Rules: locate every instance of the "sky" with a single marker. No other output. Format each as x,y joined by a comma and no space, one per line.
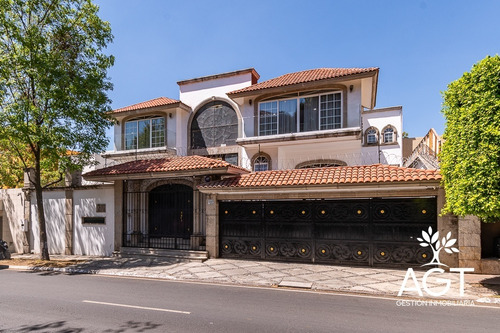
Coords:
419,46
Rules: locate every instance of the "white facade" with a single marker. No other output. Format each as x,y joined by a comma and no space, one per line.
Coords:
340,146
382,152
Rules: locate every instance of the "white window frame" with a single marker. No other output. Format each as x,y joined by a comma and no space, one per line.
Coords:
137,120
368,134
297,98
260,163
393,132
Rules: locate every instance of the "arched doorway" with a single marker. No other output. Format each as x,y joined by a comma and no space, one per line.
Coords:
171,216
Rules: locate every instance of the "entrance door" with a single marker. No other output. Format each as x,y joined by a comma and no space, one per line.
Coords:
171,213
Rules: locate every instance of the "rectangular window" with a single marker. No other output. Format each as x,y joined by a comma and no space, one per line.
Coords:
158,132
131,135
303,114
330,111
268,115
288,116
145,133
309,114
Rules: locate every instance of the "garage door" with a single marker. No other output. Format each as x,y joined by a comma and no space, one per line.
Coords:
366,232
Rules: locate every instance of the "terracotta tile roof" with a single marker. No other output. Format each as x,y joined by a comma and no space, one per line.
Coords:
376,173
303,77
170,164
160,101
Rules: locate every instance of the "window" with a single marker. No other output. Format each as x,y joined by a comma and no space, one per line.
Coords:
268,115
388,135
371,136
145,133
320,164
214,125
304,114
229,158
261,163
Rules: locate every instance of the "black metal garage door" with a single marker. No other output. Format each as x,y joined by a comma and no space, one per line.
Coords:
367,232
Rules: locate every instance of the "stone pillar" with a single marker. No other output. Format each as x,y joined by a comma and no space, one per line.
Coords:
118,188
212,213
445,224
68,221
29,173
469,242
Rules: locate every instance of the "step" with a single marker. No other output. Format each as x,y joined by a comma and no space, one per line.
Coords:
191,255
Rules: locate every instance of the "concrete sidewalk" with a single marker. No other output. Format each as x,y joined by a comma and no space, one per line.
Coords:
379,281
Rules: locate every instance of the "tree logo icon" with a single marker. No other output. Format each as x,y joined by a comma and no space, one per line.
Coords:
432,240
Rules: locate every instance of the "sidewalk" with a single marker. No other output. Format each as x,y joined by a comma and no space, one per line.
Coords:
366,280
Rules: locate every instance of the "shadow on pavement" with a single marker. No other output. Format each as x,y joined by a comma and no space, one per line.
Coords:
57,326
492,284
63,326
134,326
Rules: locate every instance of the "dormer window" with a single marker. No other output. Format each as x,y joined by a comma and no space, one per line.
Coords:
145,132
301,114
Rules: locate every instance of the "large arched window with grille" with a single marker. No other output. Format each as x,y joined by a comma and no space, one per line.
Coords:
214,125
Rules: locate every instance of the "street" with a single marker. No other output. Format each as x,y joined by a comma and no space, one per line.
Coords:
53,302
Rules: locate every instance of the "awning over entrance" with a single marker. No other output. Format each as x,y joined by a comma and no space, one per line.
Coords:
178,166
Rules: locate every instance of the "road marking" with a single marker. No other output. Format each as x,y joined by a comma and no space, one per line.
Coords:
136,307
313,291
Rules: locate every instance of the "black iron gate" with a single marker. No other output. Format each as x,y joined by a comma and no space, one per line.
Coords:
367,232
161,218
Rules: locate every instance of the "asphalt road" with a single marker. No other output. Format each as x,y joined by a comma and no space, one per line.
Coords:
53,302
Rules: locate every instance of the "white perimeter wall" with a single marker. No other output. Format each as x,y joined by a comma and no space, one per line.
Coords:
12,212
53,203
88,239
93,239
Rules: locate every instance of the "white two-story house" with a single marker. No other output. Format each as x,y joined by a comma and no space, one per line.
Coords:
311,140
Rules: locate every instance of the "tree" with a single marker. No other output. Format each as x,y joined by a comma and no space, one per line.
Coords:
53,88
470,158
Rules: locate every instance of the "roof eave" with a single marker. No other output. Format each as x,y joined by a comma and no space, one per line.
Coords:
387,186
176,105
374,88
305,85
166,174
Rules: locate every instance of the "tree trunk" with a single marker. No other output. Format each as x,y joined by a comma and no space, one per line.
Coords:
44,246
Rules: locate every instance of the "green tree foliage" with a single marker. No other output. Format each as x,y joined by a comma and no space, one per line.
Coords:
53,87
470,158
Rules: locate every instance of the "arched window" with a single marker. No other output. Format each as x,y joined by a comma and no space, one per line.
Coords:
320,164
371,136
214,125
145,132
389,134
261,162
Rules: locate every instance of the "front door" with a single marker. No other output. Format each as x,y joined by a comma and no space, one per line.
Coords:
171,211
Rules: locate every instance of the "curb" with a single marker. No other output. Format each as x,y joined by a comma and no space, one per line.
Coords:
68,270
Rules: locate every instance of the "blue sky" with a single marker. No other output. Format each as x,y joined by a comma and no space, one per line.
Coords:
419,46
